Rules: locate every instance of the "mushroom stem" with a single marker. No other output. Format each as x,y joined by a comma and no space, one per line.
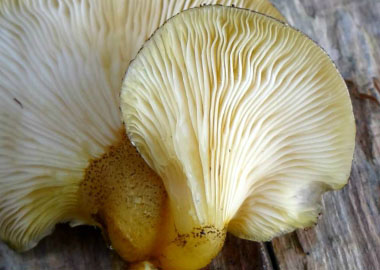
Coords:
143,266
123,196
189,250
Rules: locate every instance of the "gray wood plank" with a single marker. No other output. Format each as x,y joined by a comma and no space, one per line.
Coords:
348,234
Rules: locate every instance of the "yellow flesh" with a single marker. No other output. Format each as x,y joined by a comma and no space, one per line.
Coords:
126,198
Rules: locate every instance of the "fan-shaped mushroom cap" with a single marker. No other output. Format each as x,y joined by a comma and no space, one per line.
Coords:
246,120
61,67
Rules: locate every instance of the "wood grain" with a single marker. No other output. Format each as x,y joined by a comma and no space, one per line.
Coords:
348,233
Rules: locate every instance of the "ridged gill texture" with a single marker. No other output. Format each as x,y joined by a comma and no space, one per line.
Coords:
246,120
61,67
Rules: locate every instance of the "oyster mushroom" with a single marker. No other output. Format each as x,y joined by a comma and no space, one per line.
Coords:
247,122
63,152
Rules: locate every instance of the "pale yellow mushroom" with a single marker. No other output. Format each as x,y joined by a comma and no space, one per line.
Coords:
63,153
247,122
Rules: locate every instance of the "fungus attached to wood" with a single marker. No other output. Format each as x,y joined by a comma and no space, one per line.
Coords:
247,122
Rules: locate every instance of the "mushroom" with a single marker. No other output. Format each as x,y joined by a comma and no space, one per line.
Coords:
247,122
64,156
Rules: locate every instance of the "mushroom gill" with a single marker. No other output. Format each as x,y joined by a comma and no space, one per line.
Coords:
247,122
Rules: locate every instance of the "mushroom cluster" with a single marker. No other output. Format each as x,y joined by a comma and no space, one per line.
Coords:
233,122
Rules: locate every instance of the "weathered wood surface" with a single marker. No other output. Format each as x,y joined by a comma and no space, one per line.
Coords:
348,233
